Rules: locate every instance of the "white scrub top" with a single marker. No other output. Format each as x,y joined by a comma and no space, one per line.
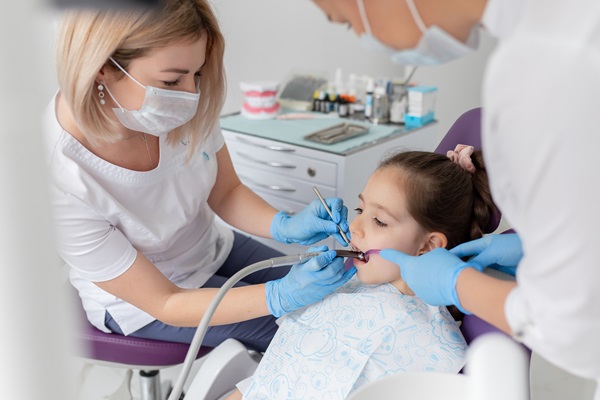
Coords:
105,214
541,138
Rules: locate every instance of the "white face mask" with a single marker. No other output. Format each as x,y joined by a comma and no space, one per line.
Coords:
161,112
436,46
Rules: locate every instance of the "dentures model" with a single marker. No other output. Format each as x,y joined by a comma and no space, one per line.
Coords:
260,101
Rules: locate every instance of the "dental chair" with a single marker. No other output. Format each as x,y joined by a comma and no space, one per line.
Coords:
222,367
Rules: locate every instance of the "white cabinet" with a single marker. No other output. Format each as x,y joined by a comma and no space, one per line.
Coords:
284,173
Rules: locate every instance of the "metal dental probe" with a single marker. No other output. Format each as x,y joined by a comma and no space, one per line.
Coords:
331,215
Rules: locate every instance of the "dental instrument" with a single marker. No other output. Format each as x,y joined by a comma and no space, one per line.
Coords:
367,254
357,254
203,325
331,215
351,254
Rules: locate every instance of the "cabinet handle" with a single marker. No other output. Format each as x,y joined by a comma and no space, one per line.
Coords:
276,188
269,163
268,147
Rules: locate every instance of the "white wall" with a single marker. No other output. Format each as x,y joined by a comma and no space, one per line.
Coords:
267,39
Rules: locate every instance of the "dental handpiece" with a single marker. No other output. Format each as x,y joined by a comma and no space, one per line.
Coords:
352,254
331,216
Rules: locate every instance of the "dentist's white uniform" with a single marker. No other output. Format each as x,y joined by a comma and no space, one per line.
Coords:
541,138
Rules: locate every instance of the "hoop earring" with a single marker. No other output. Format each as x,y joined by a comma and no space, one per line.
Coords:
101,93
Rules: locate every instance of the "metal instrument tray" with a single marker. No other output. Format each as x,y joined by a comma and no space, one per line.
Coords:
337,133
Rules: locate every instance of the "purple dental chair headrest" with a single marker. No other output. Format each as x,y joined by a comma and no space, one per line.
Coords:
467,130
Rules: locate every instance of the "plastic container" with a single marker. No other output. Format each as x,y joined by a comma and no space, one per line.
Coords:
369,98
381,108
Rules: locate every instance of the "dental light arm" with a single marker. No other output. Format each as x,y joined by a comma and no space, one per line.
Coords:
203,325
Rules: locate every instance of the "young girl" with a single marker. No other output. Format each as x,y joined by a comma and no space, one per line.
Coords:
374,326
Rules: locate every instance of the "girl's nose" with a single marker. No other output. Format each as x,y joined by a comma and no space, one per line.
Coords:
355,229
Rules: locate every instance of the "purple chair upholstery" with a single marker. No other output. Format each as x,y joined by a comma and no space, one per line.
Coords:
473,326
115,348
112,347
467,130
146,355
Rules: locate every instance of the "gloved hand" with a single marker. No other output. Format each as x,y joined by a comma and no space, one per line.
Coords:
502,252
312,224
431,276
307,282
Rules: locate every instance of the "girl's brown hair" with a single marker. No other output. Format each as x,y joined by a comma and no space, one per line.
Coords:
88,37
443,197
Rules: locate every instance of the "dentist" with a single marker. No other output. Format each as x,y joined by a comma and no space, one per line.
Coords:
540,143
140,171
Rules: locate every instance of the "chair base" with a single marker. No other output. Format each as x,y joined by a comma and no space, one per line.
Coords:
123,392
221,369
226,365
151,386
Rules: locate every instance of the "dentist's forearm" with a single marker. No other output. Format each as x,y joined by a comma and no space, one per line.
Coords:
246,210
187,307
484,296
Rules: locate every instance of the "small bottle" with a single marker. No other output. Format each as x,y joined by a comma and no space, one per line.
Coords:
369,98
316,102
334,102
398,109
381,109
351,101
324,102
343,106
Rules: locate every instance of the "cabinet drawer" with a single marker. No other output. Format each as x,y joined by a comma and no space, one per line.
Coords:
281,162
280,185
290,207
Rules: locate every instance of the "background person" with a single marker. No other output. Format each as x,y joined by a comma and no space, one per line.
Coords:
538,141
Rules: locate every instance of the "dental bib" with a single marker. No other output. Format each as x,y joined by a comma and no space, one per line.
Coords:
356,335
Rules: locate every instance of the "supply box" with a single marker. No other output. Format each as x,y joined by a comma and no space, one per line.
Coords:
421,105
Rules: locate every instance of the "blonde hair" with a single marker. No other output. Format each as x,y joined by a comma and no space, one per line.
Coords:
87,39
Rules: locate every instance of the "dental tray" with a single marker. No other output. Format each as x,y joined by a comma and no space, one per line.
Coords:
337,133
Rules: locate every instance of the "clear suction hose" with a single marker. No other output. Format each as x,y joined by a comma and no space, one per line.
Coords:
203,325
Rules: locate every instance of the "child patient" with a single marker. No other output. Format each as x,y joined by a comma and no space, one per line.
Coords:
374,326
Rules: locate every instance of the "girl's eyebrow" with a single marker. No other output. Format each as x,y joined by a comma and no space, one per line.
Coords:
380,207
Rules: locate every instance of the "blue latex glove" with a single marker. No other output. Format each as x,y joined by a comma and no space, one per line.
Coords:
312,224
502,252
431,276
307,282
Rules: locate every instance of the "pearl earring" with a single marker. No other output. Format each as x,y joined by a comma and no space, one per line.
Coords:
101,94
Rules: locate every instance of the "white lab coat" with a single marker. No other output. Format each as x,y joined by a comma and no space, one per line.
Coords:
541,140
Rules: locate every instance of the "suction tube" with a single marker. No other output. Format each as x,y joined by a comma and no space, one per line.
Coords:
203,325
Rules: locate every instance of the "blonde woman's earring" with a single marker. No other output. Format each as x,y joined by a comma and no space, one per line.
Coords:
101,93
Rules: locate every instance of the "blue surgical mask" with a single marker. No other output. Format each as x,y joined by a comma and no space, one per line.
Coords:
436,46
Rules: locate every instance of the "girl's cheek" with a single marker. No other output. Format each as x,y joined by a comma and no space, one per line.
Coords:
386,267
